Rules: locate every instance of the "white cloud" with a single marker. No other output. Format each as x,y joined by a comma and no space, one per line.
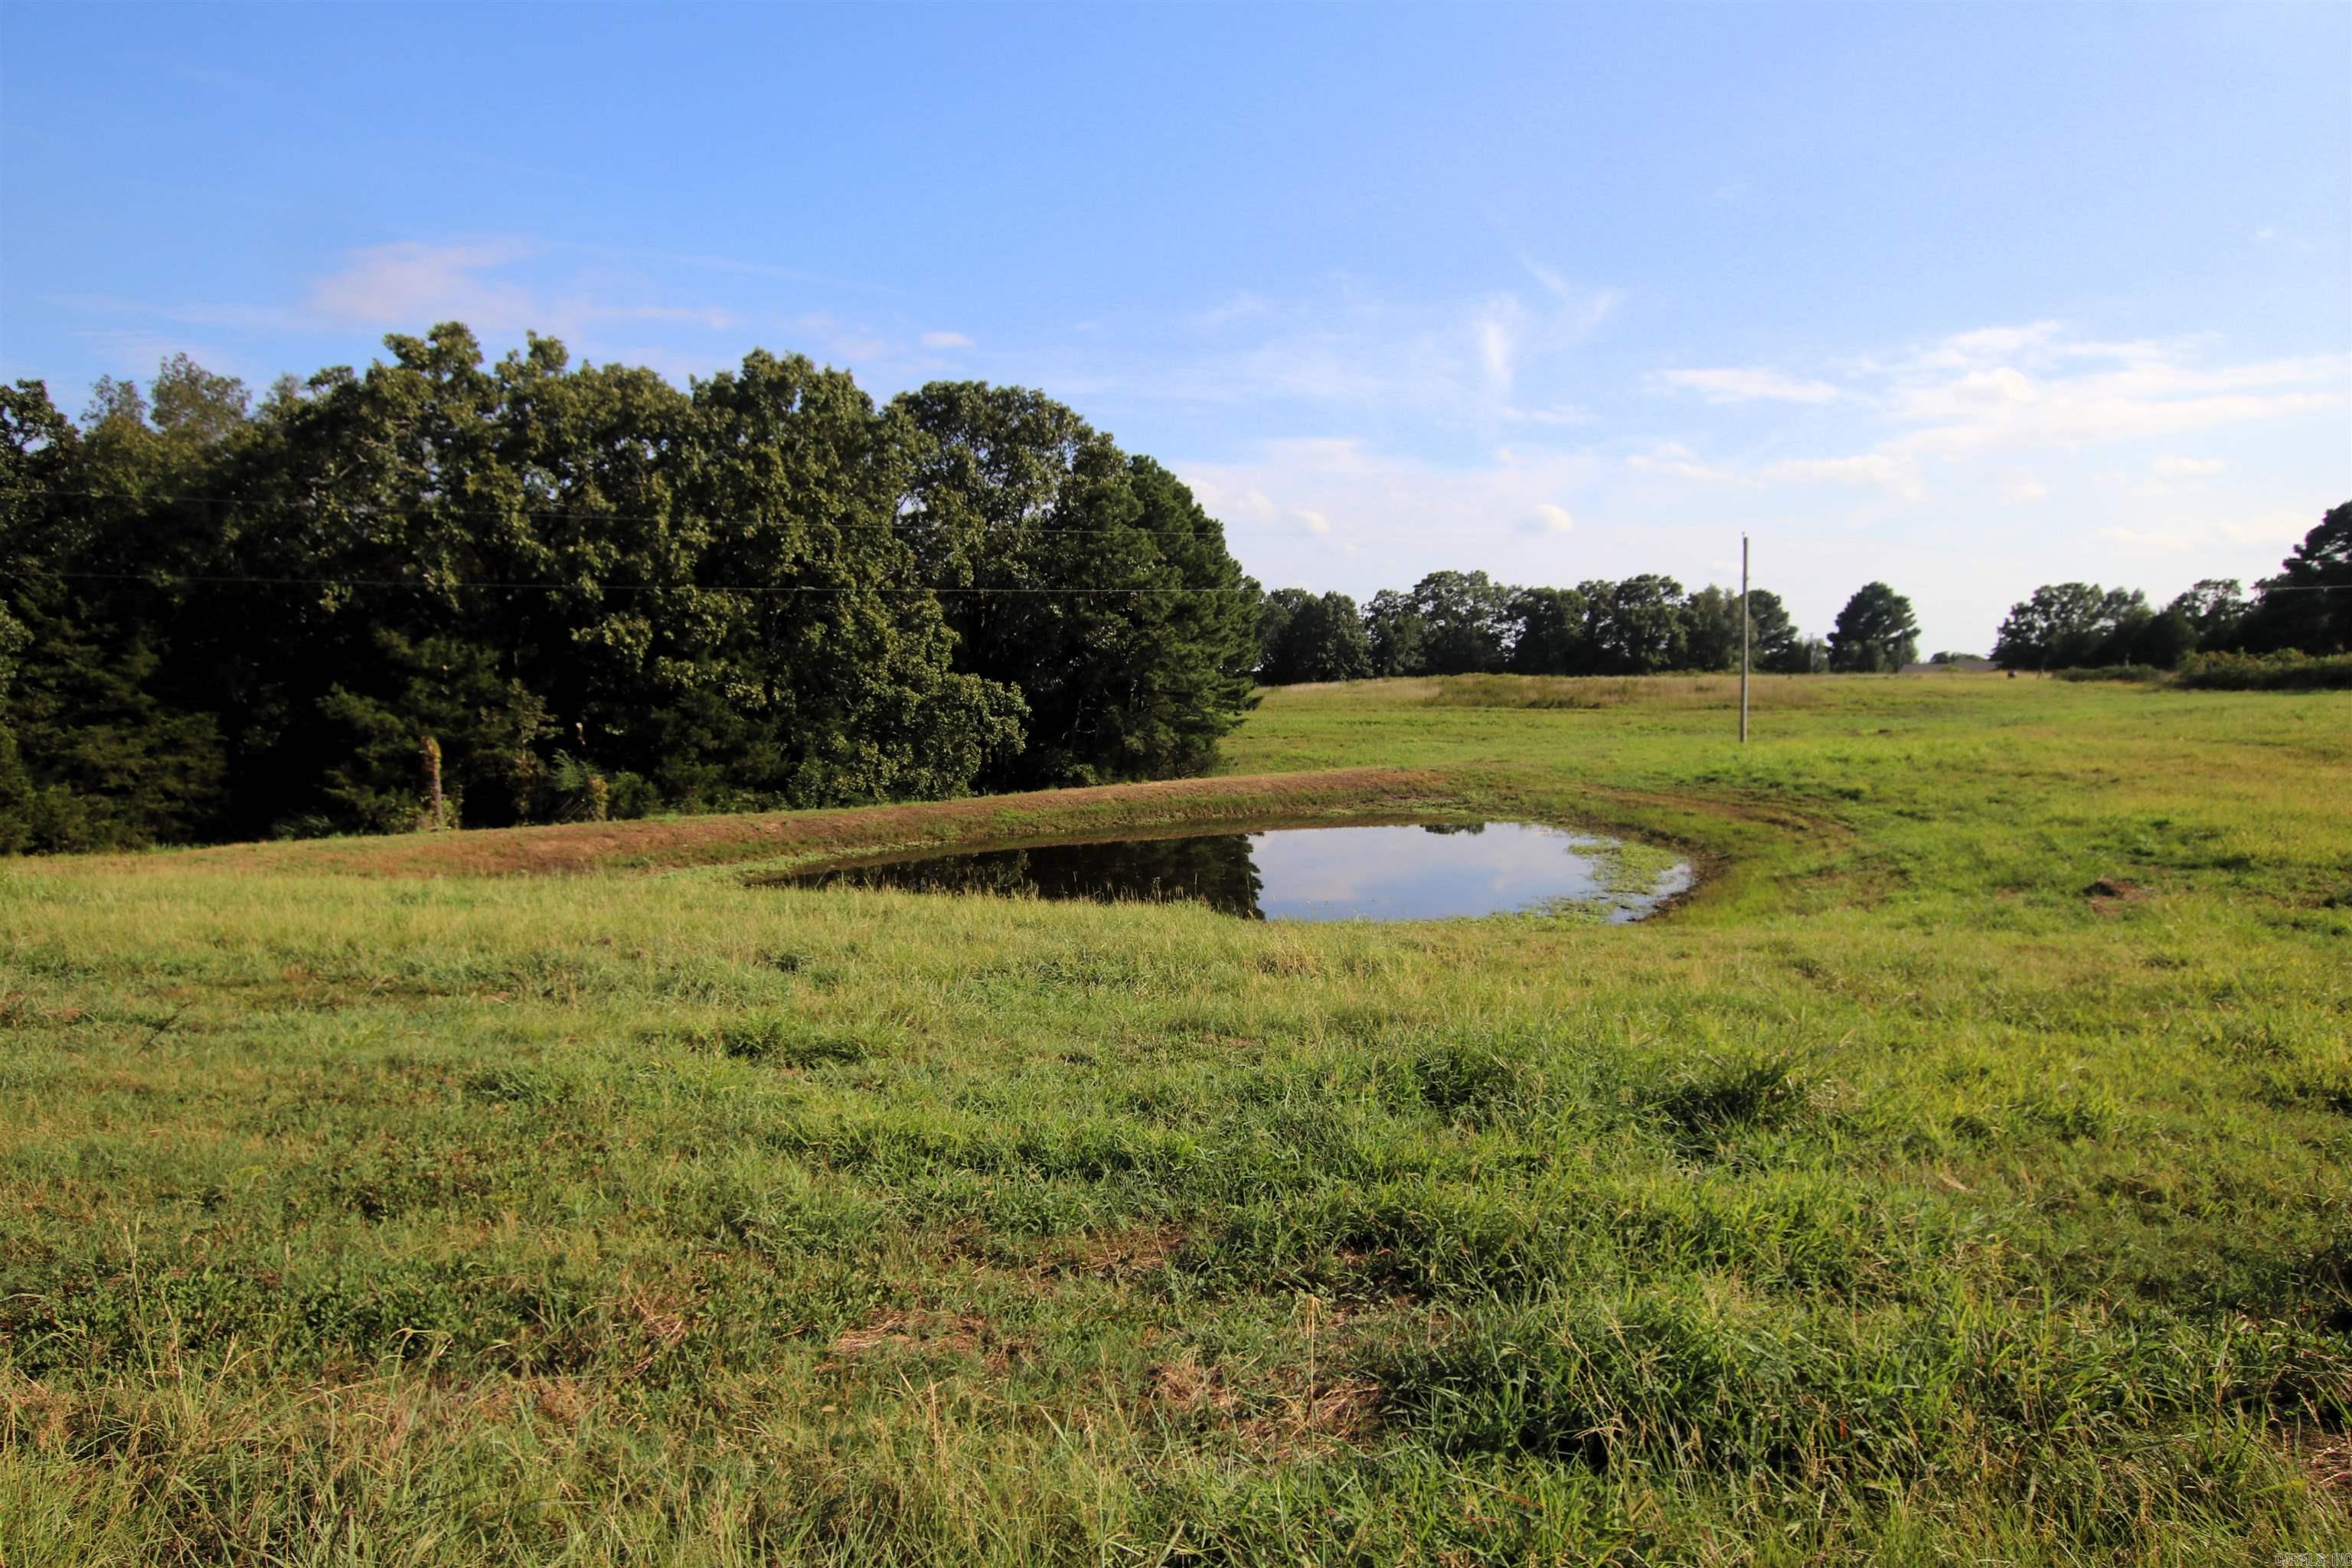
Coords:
1961,348
1451,362
1495,333
2172,467
946,341
2004,407
2026,492
1346,489
1557,415
411,284
1676,460
2168,540
1865,469
1749,386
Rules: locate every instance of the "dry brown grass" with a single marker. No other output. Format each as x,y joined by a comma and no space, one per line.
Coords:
660,844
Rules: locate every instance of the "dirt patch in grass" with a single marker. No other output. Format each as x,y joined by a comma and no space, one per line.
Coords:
2327,1461
1289,1415
900,1329
2113,895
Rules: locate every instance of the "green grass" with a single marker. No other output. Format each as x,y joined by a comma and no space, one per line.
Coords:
1896,1199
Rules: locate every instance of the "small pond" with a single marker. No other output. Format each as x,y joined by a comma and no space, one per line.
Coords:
1413,871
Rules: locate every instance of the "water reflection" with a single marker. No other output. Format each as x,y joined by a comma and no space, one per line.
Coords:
1415,871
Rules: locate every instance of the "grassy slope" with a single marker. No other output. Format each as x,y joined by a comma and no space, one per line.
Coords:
1893,1200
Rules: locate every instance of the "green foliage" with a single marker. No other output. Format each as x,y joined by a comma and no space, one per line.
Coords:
1710,631
221,620
1090,581
1776,646
1464,622
1875,633
1398,636
1306,637
2082,626
2308,605
2287,671
2306,609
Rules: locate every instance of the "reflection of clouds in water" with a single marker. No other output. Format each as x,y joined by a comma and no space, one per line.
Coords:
1340,872
1411,873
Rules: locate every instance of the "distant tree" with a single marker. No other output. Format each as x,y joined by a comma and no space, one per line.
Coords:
1774,646
1633,626
2214,608
1874,631
1306,637
1710,631
1396,635
1467,619
2075,625
2159,637
2308,605
1546,632
1273,613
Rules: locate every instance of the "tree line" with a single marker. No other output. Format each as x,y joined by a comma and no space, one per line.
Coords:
441,590
1462,623
2306,608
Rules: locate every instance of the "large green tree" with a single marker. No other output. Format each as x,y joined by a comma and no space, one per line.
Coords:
1633,626
1309,637
1091,582
1776,646
2308,605
104,739
1547,632
1874,631
1464,617
1396,634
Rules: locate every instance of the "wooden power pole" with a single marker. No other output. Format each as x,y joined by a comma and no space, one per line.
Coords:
1743,639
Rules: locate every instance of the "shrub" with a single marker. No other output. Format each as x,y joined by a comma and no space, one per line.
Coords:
2287,671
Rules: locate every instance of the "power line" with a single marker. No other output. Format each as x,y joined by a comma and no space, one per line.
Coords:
189,581
584,512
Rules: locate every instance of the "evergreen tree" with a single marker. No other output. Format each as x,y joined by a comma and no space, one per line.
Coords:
1875,633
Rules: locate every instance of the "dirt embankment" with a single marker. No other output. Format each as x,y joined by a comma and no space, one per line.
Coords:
669,842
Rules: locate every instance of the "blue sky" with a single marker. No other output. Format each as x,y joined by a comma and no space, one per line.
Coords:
1966,298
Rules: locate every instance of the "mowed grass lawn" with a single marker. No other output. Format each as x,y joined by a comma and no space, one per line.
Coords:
1898,1198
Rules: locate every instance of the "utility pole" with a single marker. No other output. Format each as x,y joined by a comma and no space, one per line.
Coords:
1743,639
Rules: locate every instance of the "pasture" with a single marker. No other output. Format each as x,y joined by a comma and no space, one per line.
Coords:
1960,1174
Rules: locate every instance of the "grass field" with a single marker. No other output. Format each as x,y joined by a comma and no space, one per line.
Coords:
1960,1176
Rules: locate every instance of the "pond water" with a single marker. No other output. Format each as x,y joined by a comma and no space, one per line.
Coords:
1392,872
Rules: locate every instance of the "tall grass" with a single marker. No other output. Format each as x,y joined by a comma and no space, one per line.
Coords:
1961,1175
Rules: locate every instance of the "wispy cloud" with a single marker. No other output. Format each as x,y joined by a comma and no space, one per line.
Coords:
2026,388
1749,386
946,341
1467,361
